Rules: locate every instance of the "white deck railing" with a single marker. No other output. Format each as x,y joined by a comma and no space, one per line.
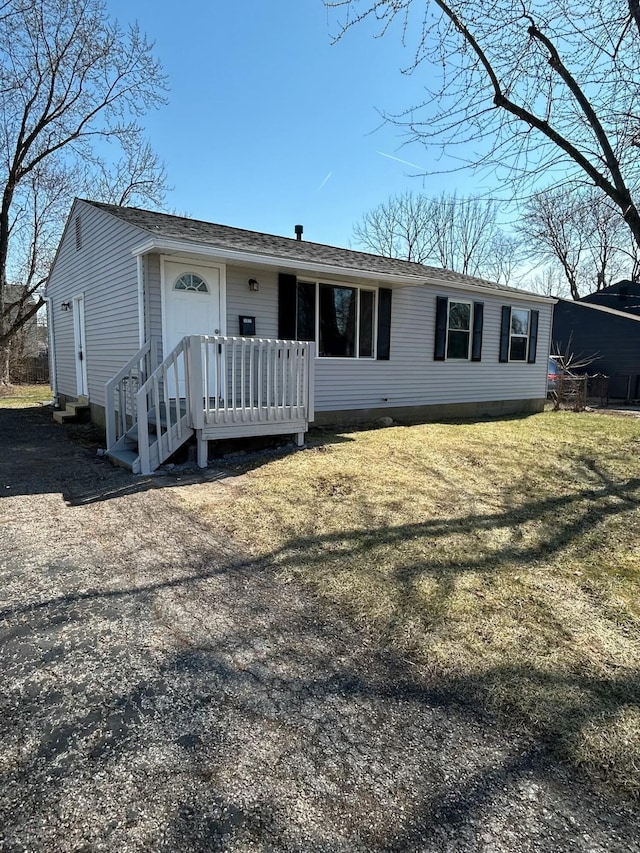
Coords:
250,380
120,394
222,386
161,401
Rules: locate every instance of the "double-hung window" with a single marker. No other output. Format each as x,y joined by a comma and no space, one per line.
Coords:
518,334
345,321
458,330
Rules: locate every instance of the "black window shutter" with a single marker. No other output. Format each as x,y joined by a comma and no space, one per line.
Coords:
533,336
476,344
383,349
441,328
306,311
505,328
287,307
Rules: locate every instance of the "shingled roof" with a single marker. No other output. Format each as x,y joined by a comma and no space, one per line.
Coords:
287,249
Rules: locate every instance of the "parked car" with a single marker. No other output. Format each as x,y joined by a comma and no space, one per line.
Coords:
555,370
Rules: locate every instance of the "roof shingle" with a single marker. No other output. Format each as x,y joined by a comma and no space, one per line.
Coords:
287,249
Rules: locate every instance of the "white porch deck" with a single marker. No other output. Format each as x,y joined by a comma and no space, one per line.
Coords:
216,387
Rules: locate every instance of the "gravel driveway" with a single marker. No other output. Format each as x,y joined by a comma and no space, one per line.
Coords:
162,692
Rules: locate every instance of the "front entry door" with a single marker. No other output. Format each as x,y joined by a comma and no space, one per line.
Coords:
192,305
78,340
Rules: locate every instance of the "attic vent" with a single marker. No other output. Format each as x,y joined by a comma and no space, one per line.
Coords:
78,227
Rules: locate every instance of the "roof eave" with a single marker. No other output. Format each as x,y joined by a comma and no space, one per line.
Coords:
160,244
164,244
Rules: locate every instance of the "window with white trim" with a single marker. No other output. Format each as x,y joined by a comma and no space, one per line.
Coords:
458,332
340,318
345,321
190,281
519,335
458,329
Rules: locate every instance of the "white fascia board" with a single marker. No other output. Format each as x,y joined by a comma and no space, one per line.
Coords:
156,244
247,258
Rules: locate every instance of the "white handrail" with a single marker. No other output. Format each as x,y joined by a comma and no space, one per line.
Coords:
161,397
210,381
134,370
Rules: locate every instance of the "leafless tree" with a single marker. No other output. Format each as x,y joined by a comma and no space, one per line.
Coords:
578,231
138,174
504,259
548,281
446,231
71,80
398,228
464,233
536,86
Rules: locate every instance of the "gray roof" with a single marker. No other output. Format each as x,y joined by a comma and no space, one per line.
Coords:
287,249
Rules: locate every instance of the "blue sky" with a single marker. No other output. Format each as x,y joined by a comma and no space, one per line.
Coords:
269,124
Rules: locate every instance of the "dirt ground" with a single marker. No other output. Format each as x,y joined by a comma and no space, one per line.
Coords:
163,692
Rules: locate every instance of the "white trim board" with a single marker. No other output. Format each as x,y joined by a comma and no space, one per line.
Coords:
217,255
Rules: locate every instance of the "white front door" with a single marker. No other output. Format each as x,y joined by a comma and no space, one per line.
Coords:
191,304
79,344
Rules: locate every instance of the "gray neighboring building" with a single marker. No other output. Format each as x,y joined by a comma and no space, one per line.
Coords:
623,296
381,336
610,338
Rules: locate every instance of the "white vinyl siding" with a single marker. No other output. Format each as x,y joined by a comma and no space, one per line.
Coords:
412,378
106,272
261,304
153,297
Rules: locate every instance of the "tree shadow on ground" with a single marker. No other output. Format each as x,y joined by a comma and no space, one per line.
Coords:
214,704
40,457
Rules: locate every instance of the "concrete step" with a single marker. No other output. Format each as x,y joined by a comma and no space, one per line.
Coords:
77,408
73,411
124,458
63,416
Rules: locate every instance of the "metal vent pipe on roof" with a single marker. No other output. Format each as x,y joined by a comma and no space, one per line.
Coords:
299,229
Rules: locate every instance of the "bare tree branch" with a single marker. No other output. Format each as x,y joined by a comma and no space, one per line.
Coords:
70,80
536,86
576,229
447,231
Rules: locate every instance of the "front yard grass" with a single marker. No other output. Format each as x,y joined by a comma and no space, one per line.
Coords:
23,396
499,558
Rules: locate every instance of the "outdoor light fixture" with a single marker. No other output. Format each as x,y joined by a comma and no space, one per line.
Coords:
66,306
253,284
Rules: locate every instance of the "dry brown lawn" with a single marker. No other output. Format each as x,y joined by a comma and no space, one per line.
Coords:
23,396
501,558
